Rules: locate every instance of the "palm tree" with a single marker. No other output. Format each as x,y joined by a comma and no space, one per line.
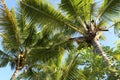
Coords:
78,64
24,42
60,68
15,38
89,18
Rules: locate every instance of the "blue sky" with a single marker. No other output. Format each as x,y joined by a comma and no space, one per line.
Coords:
6,73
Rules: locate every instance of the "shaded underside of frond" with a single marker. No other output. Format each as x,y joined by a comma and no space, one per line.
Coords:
50,47
5,59
46,53
31,38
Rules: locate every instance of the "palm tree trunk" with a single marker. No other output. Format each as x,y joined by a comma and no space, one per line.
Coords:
15,74
99,50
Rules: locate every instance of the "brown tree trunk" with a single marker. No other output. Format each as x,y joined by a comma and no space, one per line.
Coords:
15,74
99,50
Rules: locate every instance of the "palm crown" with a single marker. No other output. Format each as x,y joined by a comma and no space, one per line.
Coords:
76,16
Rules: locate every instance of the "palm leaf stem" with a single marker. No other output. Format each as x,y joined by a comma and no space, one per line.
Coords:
81,22
74,28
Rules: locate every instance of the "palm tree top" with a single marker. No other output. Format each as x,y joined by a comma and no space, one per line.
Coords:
76,13
87,17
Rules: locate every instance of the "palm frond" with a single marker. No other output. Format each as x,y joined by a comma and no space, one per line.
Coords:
78,9
89,9
109,8
60,39
46,15
73,9
51,47
28,28
117,28
52,70
72,72
9,26
43,12
31,38
53,40
45,53
12,64
5,59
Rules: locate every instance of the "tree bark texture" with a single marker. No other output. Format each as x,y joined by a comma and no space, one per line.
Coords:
15,74
99,50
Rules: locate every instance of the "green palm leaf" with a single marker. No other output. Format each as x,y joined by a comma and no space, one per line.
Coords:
72,71
46,15
117,28
43,12
31,38
52,50
6,58
77,8
10,31
109,8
